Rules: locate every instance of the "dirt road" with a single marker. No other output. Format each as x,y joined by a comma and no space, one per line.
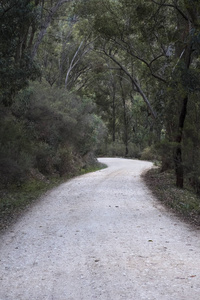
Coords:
100,236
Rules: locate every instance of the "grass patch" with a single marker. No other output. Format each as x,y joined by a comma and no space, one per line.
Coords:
93,168
17,199
184,202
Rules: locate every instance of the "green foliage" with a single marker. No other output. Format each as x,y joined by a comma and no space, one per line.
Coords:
165,151
65,161
115,149
100,51
17,17
149,153
118,149
15,149
48,129
191,143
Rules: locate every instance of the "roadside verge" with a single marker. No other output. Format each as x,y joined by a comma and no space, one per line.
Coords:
183,202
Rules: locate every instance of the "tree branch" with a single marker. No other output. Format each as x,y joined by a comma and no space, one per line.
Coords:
7,9
134,82
173,6
46,24
72,64
129,51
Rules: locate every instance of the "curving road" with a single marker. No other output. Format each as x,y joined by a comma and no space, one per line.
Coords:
100,236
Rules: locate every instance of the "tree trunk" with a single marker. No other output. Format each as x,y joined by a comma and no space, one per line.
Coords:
178,163
113,93
125,137
45,25
113,119
184,54
178,166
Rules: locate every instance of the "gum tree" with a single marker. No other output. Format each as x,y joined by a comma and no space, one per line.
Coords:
155,44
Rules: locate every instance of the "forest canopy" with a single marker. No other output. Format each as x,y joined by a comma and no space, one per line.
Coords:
117,78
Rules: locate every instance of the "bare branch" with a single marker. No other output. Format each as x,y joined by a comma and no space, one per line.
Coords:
178,60
5,10
149,66
134,82
72,64
129,51
173,6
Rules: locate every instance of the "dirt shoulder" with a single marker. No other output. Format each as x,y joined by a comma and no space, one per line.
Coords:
184,203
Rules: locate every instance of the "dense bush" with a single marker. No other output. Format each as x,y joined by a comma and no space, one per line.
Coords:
149,153
47,129
119,149
15,149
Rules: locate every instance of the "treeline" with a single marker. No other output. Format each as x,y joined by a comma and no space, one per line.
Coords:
120,78
152,51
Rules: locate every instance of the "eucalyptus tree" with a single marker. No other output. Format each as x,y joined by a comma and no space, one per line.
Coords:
23,25
156,45
183,79
46,128
48,11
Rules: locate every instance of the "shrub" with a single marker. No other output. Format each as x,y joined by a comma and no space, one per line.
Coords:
116,149
44,158
133,151
64,161
10,172
149,153
15,150
48,129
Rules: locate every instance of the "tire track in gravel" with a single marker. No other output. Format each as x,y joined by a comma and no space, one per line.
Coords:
100,236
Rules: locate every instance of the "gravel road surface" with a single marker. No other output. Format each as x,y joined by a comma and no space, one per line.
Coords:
100,236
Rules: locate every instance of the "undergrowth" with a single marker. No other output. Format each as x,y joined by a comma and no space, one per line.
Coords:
94,168
184,202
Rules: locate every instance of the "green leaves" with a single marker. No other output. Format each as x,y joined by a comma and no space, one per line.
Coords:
16,20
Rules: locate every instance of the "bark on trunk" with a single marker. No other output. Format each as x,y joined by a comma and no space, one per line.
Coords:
179,166
125,138
113,119
179,171
184,55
